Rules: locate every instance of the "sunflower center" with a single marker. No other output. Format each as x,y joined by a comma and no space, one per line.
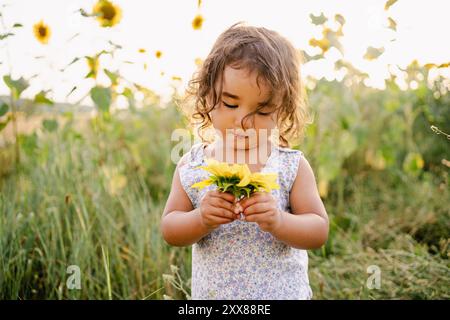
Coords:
42,31
197,22
108,11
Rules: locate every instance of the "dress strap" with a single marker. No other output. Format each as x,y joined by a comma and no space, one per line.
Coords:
196,155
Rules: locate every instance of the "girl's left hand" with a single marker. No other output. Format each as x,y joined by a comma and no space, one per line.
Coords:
261,208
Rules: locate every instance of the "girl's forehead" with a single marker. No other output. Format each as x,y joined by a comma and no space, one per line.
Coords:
245,83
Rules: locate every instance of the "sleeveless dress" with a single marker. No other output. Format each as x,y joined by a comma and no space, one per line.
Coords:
238,260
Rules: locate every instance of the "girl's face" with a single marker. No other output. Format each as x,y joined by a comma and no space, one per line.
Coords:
241,96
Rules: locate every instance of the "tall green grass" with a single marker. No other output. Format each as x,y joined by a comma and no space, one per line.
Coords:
91,200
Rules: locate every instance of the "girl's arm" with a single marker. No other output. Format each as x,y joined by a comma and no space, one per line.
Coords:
307,227
181,224
302,231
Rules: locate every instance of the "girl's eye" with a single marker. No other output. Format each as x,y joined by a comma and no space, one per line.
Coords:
229,106
234,107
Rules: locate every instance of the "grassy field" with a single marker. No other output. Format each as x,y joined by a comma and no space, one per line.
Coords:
93,198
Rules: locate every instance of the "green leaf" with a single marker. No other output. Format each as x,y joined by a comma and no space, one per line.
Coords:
333,39
314,57
318,20
90,74
247,192
225,186
128,93
392,24
389,3
3,109
73,61
50,124
17,25
101,97
6,35
339,19
28,142
85,14
41,98
116,46
16,86
3,124
71,91
112,76
413,163
373,53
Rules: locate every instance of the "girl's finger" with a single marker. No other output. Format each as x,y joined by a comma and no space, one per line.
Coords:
256,208
257,217
224,213
254,218
219,202
255,198
224,195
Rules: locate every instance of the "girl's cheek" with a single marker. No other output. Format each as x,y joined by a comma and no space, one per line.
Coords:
265,122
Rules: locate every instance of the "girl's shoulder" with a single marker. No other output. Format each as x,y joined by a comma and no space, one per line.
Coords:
288,162
190,173
288,150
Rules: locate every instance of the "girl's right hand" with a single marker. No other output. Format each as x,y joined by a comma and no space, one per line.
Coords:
217,208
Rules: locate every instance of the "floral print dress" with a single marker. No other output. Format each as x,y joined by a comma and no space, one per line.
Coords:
238,260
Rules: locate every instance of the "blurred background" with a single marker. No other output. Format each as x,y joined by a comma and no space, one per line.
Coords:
90,94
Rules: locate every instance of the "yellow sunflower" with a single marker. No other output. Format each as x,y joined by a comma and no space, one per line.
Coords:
107,13
42,32
236,179
158,54
197,22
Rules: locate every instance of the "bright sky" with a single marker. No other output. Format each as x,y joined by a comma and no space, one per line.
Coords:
166,26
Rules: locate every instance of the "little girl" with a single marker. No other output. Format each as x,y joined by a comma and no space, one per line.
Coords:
249,83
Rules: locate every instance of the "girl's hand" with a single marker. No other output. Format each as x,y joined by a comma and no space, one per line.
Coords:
262,208
217,208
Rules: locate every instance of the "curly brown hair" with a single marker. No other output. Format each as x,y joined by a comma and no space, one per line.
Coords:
274,59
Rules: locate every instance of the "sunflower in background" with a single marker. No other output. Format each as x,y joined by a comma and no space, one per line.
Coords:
107,13
42,32
197,22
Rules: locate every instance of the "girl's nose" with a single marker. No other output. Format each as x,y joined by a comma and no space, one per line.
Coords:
240,121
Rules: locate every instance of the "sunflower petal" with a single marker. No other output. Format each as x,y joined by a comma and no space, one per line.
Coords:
202,184
245,175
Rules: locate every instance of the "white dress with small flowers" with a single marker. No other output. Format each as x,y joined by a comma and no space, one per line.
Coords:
238,260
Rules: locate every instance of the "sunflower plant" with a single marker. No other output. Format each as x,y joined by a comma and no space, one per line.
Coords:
236,179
